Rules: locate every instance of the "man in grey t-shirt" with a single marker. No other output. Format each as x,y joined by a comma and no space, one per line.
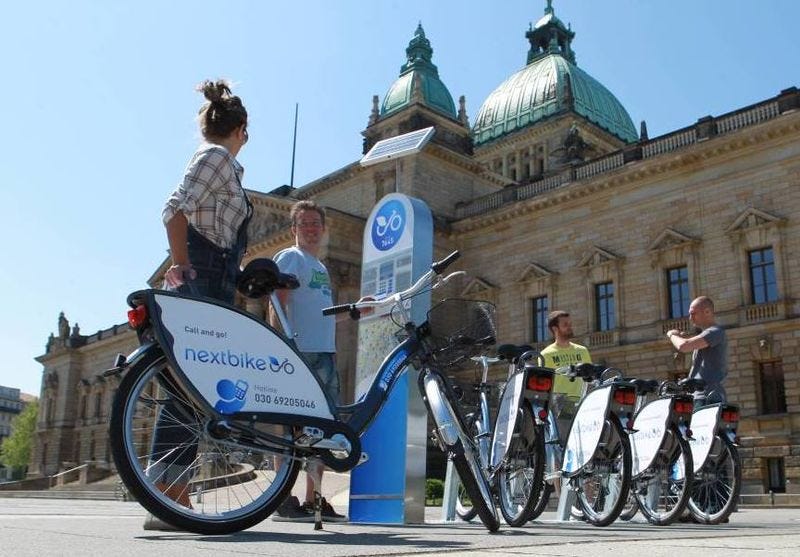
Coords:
709,350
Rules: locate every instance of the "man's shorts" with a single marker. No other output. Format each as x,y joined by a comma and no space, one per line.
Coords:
322,364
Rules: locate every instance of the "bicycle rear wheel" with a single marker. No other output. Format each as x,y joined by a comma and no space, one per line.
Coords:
219,487
455,439
520,474
604,483
663,490
718,483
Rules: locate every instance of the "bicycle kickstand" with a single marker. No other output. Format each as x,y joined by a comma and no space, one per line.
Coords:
315,473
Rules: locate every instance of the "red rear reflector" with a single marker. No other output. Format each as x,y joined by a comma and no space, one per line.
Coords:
137,316
540,383
625,396
730,416
684,407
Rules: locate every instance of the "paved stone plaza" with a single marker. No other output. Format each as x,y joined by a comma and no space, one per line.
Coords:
75,527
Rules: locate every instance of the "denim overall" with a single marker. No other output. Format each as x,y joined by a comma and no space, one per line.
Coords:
174,447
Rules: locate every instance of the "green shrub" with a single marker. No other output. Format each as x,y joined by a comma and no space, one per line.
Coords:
434,491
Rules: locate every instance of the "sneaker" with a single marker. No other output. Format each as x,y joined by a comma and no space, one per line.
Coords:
291,511
327,511
154,523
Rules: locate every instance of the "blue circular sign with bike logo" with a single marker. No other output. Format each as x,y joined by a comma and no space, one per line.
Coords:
387,228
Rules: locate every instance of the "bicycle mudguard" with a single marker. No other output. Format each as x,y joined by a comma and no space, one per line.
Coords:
650,427
586,429
507,414
704,427
234,361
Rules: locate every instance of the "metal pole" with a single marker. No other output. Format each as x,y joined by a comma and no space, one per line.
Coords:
294,143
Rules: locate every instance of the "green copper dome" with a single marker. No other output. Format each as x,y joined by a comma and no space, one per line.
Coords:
550,84
418,81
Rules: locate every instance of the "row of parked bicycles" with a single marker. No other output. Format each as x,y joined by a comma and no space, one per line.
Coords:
239,431
632,445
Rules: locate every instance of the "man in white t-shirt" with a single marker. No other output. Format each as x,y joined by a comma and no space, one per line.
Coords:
315,334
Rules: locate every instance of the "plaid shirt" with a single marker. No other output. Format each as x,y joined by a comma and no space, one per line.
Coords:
210,195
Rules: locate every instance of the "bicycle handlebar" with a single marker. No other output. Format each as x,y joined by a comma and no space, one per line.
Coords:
440,266
423,282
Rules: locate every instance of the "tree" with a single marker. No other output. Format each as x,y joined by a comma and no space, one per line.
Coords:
15,452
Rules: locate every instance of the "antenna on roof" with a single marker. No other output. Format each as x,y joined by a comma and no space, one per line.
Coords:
294,144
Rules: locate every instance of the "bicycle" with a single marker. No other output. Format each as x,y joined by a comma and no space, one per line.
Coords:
517,458
597,454
513,452
249,428
717,465
663,473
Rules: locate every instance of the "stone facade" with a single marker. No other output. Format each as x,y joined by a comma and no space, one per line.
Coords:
535,216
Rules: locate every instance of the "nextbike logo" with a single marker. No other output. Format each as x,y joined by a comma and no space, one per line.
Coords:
387,228
242,360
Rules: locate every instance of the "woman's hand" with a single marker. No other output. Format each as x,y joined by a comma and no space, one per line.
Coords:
179,274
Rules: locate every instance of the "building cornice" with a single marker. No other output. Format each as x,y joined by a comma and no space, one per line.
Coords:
716,147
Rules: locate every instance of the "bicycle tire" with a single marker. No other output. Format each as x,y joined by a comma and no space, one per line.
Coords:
717,484
542,500
229,488
465,462
521,474
463,451
465,510
664,489
608,474
631,506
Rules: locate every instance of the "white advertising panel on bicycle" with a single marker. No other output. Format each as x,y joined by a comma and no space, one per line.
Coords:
704,425
236,363
650,424
584,435
506,418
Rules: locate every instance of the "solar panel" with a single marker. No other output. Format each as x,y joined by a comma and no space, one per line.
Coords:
399,146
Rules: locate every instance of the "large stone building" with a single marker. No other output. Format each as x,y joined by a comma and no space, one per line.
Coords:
555,201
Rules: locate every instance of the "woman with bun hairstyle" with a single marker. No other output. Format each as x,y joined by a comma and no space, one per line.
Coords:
206,216
206,219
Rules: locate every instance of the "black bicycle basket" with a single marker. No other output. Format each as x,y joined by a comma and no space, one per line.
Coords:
460,329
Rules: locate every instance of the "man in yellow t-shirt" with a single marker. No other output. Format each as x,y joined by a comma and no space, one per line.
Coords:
563,353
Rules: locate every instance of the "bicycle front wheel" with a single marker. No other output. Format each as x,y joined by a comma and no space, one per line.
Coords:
520,474
604,483
466,457
465,510
718,483
179,471
663,490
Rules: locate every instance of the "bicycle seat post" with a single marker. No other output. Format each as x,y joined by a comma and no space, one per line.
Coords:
284,321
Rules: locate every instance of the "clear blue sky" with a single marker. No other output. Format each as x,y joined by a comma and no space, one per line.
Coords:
98,110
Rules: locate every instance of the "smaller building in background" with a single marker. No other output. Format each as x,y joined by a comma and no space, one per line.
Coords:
12,402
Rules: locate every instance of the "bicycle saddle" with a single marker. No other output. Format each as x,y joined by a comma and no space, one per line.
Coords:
691,385
511,352
644,386
261,277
